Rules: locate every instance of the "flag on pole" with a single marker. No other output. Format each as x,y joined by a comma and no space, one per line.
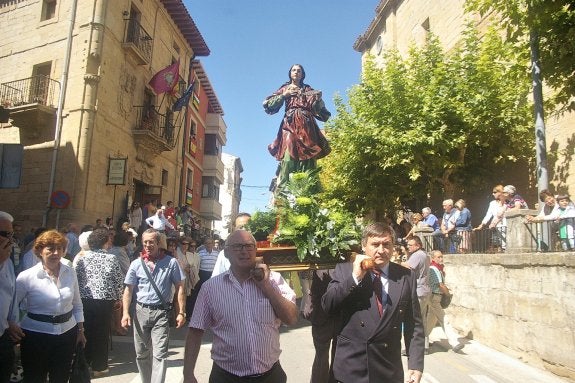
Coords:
185,99
165,80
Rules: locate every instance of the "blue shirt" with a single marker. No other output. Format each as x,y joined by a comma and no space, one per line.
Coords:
73,244
431,221
463,222
167,272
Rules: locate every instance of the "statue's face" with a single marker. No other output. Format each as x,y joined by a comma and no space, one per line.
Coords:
296,73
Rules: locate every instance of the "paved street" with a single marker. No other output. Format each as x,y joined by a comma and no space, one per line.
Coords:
475,364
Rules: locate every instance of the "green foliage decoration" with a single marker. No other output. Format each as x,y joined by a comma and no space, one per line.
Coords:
262,224
320,230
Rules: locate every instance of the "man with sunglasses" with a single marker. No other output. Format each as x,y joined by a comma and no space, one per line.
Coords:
244,308
7,288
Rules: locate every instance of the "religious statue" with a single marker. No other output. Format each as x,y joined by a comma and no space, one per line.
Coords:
299,142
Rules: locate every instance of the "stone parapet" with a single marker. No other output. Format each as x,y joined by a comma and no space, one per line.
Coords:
520,303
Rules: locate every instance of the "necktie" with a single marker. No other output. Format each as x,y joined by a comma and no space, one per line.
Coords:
378,289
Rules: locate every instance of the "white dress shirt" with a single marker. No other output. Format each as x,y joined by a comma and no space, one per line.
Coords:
7,285
38,293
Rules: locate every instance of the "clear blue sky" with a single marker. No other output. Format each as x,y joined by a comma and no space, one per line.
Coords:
253,43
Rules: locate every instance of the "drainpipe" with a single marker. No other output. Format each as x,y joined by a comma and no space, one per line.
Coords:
58,130
87,109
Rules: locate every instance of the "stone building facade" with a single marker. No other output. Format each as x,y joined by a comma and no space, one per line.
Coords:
399,23
114,128
230,194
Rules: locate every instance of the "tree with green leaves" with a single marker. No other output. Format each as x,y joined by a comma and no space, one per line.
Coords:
428,124
553,21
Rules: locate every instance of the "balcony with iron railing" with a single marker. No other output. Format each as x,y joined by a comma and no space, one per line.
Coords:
519,235
32,101
138,42
154,130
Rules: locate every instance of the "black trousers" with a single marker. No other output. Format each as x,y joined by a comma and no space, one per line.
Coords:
46,354
324,342
275,375
191,303
6,357
97,318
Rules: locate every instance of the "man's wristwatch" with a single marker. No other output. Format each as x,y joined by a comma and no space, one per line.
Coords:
183,314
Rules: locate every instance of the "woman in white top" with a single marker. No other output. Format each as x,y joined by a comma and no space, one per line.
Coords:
135,215
189,261
159,222
495,218
54,322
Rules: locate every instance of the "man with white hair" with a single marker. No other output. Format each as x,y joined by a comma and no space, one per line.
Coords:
7,290
429,219
447,228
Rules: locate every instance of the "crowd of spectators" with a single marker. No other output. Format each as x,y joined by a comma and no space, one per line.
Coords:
452,231
89,268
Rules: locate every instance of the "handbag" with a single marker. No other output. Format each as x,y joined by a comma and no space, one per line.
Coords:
80,372
445,300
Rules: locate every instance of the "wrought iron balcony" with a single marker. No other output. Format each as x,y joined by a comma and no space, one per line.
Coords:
154,130
34,90
138,42
31,101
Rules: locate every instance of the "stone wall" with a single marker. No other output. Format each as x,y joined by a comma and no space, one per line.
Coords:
520,303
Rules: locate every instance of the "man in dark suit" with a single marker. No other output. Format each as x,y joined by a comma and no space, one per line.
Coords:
375,298
324,328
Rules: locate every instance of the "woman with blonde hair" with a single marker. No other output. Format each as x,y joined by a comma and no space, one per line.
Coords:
189,261
54,321
495,218
463,226
417,225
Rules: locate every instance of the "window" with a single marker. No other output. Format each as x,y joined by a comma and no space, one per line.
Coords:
192,146
40,84
164,177
212,147
149,101
48,10
209,188
190,179
169,126
378,45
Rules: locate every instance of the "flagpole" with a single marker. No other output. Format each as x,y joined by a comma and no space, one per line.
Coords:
182,122
161,102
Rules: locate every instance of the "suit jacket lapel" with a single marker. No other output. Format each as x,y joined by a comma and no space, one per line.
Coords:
394,288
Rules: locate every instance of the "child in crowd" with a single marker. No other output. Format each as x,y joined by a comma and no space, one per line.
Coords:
565,215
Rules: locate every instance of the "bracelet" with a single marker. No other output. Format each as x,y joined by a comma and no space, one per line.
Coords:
183,314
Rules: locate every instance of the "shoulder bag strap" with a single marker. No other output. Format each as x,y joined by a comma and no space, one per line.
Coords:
153,283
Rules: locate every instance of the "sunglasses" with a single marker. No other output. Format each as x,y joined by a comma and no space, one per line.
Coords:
6,234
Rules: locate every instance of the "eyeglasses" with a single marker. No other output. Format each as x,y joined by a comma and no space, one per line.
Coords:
242,246
6,234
